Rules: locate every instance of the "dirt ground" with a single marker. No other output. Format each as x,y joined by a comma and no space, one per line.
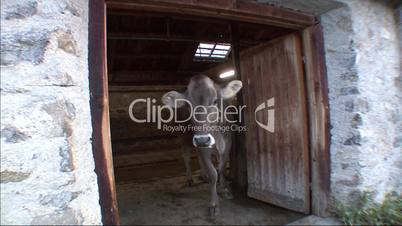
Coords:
170,201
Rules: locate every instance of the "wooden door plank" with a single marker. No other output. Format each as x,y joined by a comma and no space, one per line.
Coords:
98,85
277,163
317,93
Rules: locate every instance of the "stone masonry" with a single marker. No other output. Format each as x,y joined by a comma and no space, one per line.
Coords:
47,167
363,62
363,57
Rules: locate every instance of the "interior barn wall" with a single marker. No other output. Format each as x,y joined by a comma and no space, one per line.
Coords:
135,144
364,79
47,167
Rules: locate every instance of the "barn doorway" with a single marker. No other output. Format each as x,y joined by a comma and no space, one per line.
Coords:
260,41
150,54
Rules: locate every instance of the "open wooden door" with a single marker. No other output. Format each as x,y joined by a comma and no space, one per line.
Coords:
277,135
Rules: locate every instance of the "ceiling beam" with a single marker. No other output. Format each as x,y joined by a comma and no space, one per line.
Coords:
147,56
150,77
164,37
171,37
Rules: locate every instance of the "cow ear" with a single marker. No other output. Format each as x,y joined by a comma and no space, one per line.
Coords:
174,99
231,89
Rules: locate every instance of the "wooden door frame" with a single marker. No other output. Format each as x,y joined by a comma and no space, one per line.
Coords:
99,101
237,10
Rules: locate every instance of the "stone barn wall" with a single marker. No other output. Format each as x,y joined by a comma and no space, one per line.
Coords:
362,47
47,167
363,62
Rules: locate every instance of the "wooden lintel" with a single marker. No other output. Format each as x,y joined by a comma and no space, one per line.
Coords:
226,9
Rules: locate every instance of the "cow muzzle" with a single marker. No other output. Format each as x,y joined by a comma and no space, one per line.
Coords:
203,141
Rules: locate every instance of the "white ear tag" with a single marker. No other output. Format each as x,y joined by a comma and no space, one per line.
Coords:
228,92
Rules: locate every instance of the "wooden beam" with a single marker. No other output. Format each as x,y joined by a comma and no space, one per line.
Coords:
241,11
165,37
151,77
318,107
147,56
240,152
141,89
134,13
176,38
101,147
140,75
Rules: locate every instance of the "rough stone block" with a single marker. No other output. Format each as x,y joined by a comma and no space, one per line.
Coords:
62,112
398,142
65,217
349,106
13,134
11,176
59,200
357,121
355,139
66,163
349,91
23,46
67,43
18,9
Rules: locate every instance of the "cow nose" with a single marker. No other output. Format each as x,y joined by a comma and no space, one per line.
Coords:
203,141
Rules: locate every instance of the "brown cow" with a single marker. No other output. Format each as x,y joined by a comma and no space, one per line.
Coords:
206,100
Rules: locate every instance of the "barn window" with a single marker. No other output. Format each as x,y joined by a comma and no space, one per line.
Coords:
212,51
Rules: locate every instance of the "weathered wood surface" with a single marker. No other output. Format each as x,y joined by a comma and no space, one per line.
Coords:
226,9
317,93
98,82
277,163
239,155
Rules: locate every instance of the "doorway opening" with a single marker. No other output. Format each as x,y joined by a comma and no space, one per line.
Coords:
148,55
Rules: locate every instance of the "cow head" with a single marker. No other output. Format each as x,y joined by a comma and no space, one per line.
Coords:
204,96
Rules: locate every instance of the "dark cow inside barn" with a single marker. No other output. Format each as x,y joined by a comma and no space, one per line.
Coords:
206,99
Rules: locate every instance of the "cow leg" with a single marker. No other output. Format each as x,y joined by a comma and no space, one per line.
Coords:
187,163
223,190
203,171
213,178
